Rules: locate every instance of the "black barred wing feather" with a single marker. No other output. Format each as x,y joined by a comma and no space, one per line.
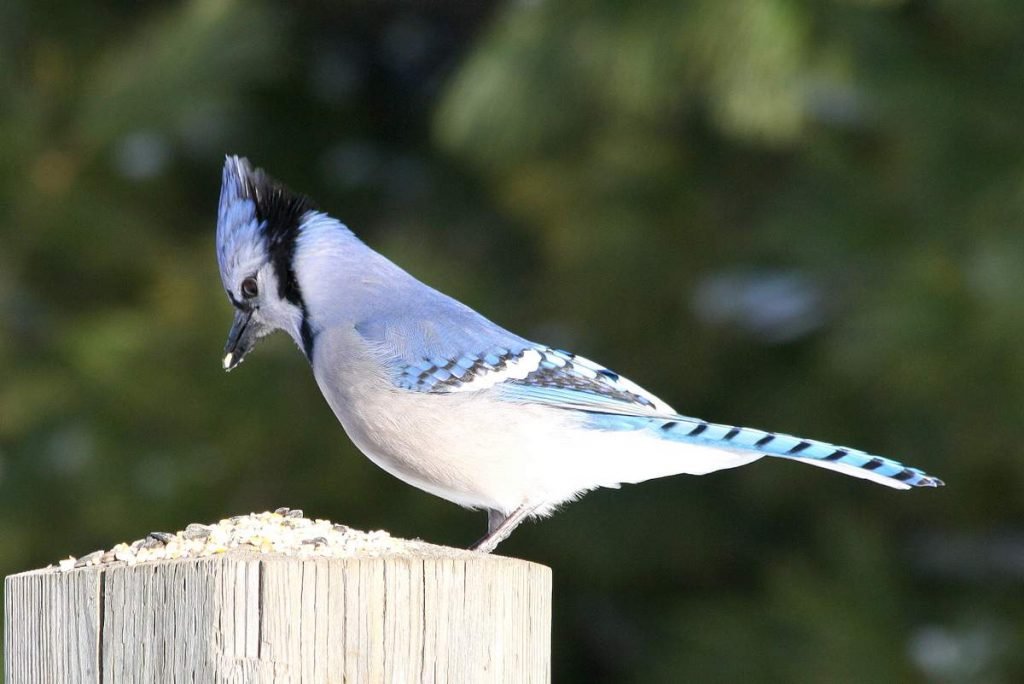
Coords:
537,375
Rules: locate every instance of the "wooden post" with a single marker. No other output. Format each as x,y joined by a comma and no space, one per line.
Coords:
438,615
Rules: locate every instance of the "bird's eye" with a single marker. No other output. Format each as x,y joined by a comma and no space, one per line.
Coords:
249,288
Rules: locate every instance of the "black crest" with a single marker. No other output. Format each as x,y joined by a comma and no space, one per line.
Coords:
280,211
277,207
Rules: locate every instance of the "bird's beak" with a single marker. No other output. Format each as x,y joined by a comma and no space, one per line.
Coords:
241,339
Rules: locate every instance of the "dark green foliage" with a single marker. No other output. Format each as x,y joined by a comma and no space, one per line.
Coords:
799,216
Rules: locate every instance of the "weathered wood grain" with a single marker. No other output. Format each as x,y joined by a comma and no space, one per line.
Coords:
436,616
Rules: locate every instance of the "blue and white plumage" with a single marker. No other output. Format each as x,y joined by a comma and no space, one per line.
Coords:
446,400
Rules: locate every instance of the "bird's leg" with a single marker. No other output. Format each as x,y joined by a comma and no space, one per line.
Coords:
500,526
494,520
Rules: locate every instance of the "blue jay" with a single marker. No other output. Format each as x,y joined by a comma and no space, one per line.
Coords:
446,400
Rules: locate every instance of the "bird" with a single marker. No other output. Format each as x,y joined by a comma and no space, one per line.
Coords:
444,399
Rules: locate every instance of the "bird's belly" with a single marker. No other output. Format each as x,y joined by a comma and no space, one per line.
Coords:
474,451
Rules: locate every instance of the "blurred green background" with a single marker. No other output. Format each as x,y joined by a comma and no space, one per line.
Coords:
800,216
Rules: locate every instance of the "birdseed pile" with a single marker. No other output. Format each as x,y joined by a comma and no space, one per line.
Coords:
284,531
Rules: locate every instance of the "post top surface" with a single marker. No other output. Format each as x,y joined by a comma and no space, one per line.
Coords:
284,534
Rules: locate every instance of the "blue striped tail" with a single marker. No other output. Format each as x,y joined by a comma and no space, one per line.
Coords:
842,459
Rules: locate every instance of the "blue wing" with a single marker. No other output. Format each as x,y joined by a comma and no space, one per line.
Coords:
435,344
533,375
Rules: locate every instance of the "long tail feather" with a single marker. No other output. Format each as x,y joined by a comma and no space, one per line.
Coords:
852,462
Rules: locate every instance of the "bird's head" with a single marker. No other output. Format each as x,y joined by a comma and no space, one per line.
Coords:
258,224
